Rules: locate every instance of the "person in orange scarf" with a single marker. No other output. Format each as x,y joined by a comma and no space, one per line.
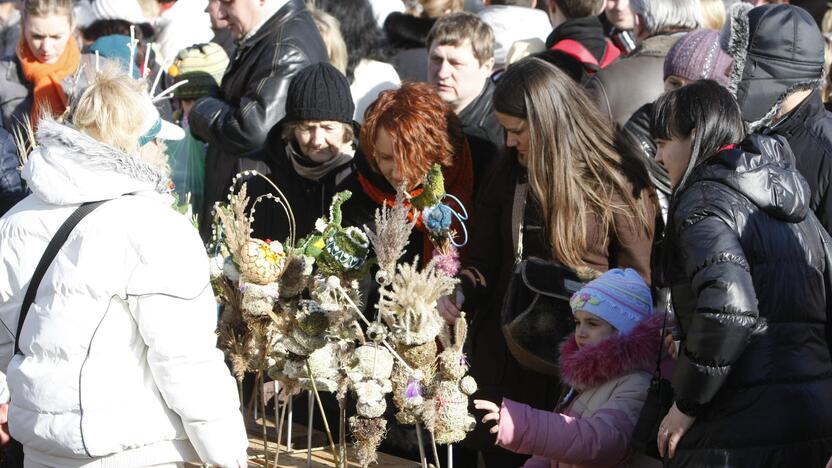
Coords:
32,82
406,131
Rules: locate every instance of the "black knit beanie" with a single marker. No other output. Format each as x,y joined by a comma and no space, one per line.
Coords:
319,92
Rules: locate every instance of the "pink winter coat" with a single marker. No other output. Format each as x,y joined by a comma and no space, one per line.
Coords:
611,378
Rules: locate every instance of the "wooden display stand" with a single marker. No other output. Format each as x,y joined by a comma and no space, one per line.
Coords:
321,454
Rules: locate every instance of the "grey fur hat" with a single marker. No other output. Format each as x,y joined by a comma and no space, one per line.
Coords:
777,49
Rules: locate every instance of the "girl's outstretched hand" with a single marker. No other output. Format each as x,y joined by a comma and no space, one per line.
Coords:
493,413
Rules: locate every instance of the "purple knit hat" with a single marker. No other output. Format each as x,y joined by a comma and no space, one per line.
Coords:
698,56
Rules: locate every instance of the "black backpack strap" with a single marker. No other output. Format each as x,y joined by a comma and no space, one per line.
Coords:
49,254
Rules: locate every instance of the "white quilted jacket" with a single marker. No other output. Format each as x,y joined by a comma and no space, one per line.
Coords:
119,355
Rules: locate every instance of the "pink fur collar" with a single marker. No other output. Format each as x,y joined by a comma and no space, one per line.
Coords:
611,358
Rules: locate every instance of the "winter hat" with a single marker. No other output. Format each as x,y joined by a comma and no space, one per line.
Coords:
203,65
698,56
117,48
777,49
621,297
319,92
128,10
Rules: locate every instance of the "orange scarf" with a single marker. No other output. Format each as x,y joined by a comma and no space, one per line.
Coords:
46,78
459,181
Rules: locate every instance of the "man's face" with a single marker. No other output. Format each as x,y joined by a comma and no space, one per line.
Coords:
458,75
619,14
241,15
213,10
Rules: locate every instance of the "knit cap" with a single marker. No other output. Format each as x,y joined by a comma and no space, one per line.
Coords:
621,297
203,65
128,10
698,56
319,92
115,47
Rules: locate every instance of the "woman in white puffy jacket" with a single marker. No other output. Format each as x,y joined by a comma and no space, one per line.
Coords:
118,363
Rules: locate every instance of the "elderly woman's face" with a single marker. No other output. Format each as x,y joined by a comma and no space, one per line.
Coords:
320,140
47,36
385,156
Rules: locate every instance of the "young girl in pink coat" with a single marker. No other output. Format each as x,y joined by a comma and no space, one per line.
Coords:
607,363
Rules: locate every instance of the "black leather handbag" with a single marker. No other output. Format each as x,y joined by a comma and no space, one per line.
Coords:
535,314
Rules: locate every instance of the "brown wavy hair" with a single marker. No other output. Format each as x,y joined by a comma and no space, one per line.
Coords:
579,167
423,128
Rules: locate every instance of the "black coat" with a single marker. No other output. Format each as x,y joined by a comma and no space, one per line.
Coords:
483,131
253,95
808,129
309,199
748,290
491,252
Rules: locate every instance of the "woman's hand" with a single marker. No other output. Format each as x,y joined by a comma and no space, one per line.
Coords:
449,306
4,424
671,345
672,429
493,413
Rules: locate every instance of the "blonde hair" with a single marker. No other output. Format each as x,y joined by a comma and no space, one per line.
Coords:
826,22
713,14
330,29
110,109
48,7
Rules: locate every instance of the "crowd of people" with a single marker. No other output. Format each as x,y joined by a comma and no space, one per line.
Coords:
666,163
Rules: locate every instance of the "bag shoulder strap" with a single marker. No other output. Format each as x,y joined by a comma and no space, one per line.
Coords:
518,212
49,254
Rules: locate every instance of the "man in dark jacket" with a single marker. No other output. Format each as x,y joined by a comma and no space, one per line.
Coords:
276,39
776,76
577,44
460,61
629,83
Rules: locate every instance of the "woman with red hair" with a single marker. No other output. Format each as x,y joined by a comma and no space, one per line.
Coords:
406,131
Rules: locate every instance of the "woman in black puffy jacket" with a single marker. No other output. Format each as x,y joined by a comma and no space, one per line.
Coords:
745,262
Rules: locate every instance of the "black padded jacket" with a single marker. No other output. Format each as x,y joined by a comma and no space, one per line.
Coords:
746,267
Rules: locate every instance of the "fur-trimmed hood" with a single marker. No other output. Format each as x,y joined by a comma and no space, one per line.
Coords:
69,167
613,357
777,49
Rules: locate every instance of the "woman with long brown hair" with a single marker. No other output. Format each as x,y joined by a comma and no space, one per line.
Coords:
572,193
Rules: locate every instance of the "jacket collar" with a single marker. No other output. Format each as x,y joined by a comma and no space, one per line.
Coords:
588,31
810,109
480,103
69,167
613,357
291,8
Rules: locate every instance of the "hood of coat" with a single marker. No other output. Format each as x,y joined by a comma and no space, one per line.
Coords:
777,49
69,167
763,170
613,357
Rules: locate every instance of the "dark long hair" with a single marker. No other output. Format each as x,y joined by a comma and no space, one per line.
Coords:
361,33
704,108
578,166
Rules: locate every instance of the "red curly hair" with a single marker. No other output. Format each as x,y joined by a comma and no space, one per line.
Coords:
422,126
